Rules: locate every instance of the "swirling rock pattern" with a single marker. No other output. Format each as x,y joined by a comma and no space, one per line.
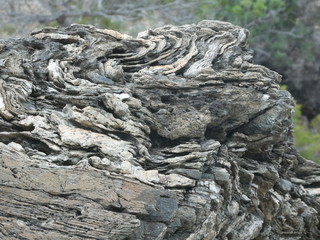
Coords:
174,134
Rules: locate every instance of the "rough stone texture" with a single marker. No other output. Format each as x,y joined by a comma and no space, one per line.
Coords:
174,134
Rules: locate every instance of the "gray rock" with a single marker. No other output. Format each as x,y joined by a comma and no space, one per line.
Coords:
175,134
284,185
191,173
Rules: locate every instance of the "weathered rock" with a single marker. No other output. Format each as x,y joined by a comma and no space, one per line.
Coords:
174,134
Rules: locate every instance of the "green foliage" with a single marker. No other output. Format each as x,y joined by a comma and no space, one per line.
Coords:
283,87
164,1
8,29
276,3
53,24
100,22
307,141
85,20
240,12
107,23
278,48
307,50
315,123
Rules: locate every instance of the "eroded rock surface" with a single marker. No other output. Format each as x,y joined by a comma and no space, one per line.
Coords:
174,134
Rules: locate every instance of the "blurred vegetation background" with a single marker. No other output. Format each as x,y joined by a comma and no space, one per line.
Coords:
285,35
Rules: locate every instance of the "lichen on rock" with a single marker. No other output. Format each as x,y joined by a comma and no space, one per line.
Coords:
175,134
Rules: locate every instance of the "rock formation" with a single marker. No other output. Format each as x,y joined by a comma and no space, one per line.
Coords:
174,134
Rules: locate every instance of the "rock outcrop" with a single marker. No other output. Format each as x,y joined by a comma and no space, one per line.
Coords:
174,134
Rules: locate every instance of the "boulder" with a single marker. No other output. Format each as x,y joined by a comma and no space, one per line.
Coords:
174,134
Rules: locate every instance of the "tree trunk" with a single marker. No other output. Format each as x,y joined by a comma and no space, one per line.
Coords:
174,134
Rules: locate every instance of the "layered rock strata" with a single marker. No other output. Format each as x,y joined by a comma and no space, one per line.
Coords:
175,134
